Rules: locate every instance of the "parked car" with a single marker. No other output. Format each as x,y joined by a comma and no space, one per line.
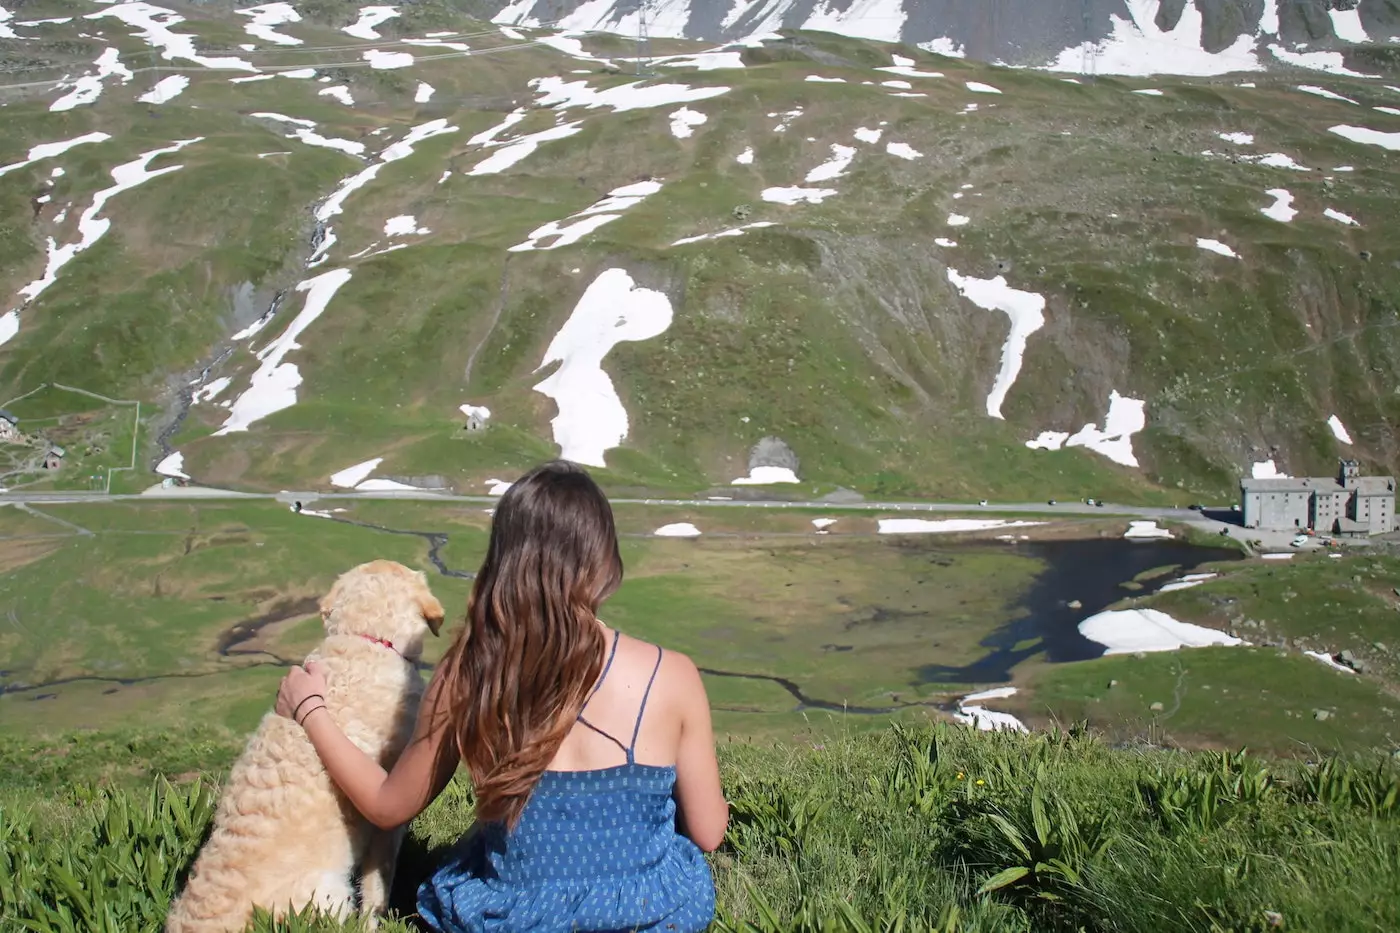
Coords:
982,502
1052,501
1196,507
1299,540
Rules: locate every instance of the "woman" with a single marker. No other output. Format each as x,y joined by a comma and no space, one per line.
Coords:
590,752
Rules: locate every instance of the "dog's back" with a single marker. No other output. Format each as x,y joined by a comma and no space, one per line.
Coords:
284,836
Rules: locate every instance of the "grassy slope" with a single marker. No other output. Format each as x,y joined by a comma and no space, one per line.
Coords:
836,330
902,824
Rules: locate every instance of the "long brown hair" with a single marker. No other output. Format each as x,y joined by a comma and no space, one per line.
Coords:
515,679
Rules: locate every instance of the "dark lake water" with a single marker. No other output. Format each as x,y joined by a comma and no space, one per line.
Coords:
1090,571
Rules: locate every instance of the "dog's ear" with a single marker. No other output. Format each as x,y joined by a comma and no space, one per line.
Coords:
432,610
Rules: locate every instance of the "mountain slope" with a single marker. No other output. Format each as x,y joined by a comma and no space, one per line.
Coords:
916,271
1128,37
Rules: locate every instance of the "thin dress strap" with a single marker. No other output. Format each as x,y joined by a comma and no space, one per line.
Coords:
606,667
637,730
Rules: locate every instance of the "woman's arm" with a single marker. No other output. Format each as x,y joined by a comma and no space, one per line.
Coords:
387,799
703,811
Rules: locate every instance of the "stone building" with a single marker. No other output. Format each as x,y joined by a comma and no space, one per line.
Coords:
1349,504
9,426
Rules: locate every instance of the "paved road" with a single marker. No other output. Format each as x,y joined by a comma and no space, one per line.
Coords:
186,493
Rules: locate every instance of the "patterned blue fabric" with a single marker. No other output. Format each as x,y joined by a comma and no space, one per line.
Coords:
593,851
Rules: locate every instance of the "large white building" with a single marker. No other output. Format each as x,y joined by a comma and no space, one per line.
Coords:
1350,504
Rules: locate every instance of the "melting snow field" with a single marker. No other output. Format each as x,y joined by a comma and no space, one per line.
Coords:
977,87
1360,134
1126,631
404,225
1026,311
517,149
385,61
165,90
866,135
152,24
1126,417
745,157
767,476
1265,469
958,220
304,131
424,93
91,227
926,526
1215,246
1282,208
903,151
591,418
1147,529
1239,139
1139,47
350,477
986,720
677,530
905,66
561,94
589,219
274,384
1339,430
340,92
1187,582
1340,218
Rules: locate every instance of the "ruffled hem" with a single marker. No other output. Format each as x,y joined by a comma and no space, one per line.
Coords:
677,896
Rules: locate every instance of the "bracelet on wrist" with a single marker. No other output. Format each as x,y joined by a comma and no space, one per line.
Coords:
313,709
310,696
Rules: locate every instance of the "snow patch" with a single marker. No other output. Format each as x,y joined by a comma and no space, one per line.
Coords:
350,477
903,151
165,90
1323,92
1187,582
386,485
1026,312
370,17
944,242
684,121
1266,469
1282,208
591,418
795,195
736,231
49,150
589,219
1330,62
766,476
1215,246
561,95
267,15
745,157
1340,218
983,719
1150,92
818,79
1146,529
1339,430
977,87
424,93
273,386
1347,25
677,530
834,167
88,88
1327,659
1137,46
958,220
340,92
867,135
173,465
1126,417
153,26
1127,631
384,61
1239,139
404,225
917,526
1361,134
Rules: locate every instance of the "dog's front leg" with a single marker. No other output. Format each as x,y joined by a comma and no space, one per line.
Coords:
377,876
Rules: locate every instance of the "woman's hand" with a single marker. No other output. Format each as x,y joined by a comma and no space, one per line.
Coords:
299,687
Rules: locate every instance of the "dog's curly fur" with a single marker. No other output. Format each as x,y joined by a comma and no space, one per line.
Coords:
284,836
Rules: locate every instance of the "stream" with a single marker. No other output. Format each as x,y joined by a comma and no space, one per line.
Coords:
1091,572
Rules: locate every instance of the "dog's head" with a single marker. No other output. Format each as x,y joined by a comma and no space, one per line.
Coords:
385,600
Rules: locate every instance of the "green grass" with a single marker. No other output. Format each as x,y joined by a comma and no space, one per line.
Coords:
914,827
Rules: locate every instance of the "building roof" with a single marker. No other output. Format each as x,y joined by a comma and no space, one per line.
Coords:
1292,484
1365,485
8,417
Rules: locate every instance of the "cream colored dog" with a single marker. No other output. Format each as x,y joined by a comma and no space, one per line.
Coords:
284,836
